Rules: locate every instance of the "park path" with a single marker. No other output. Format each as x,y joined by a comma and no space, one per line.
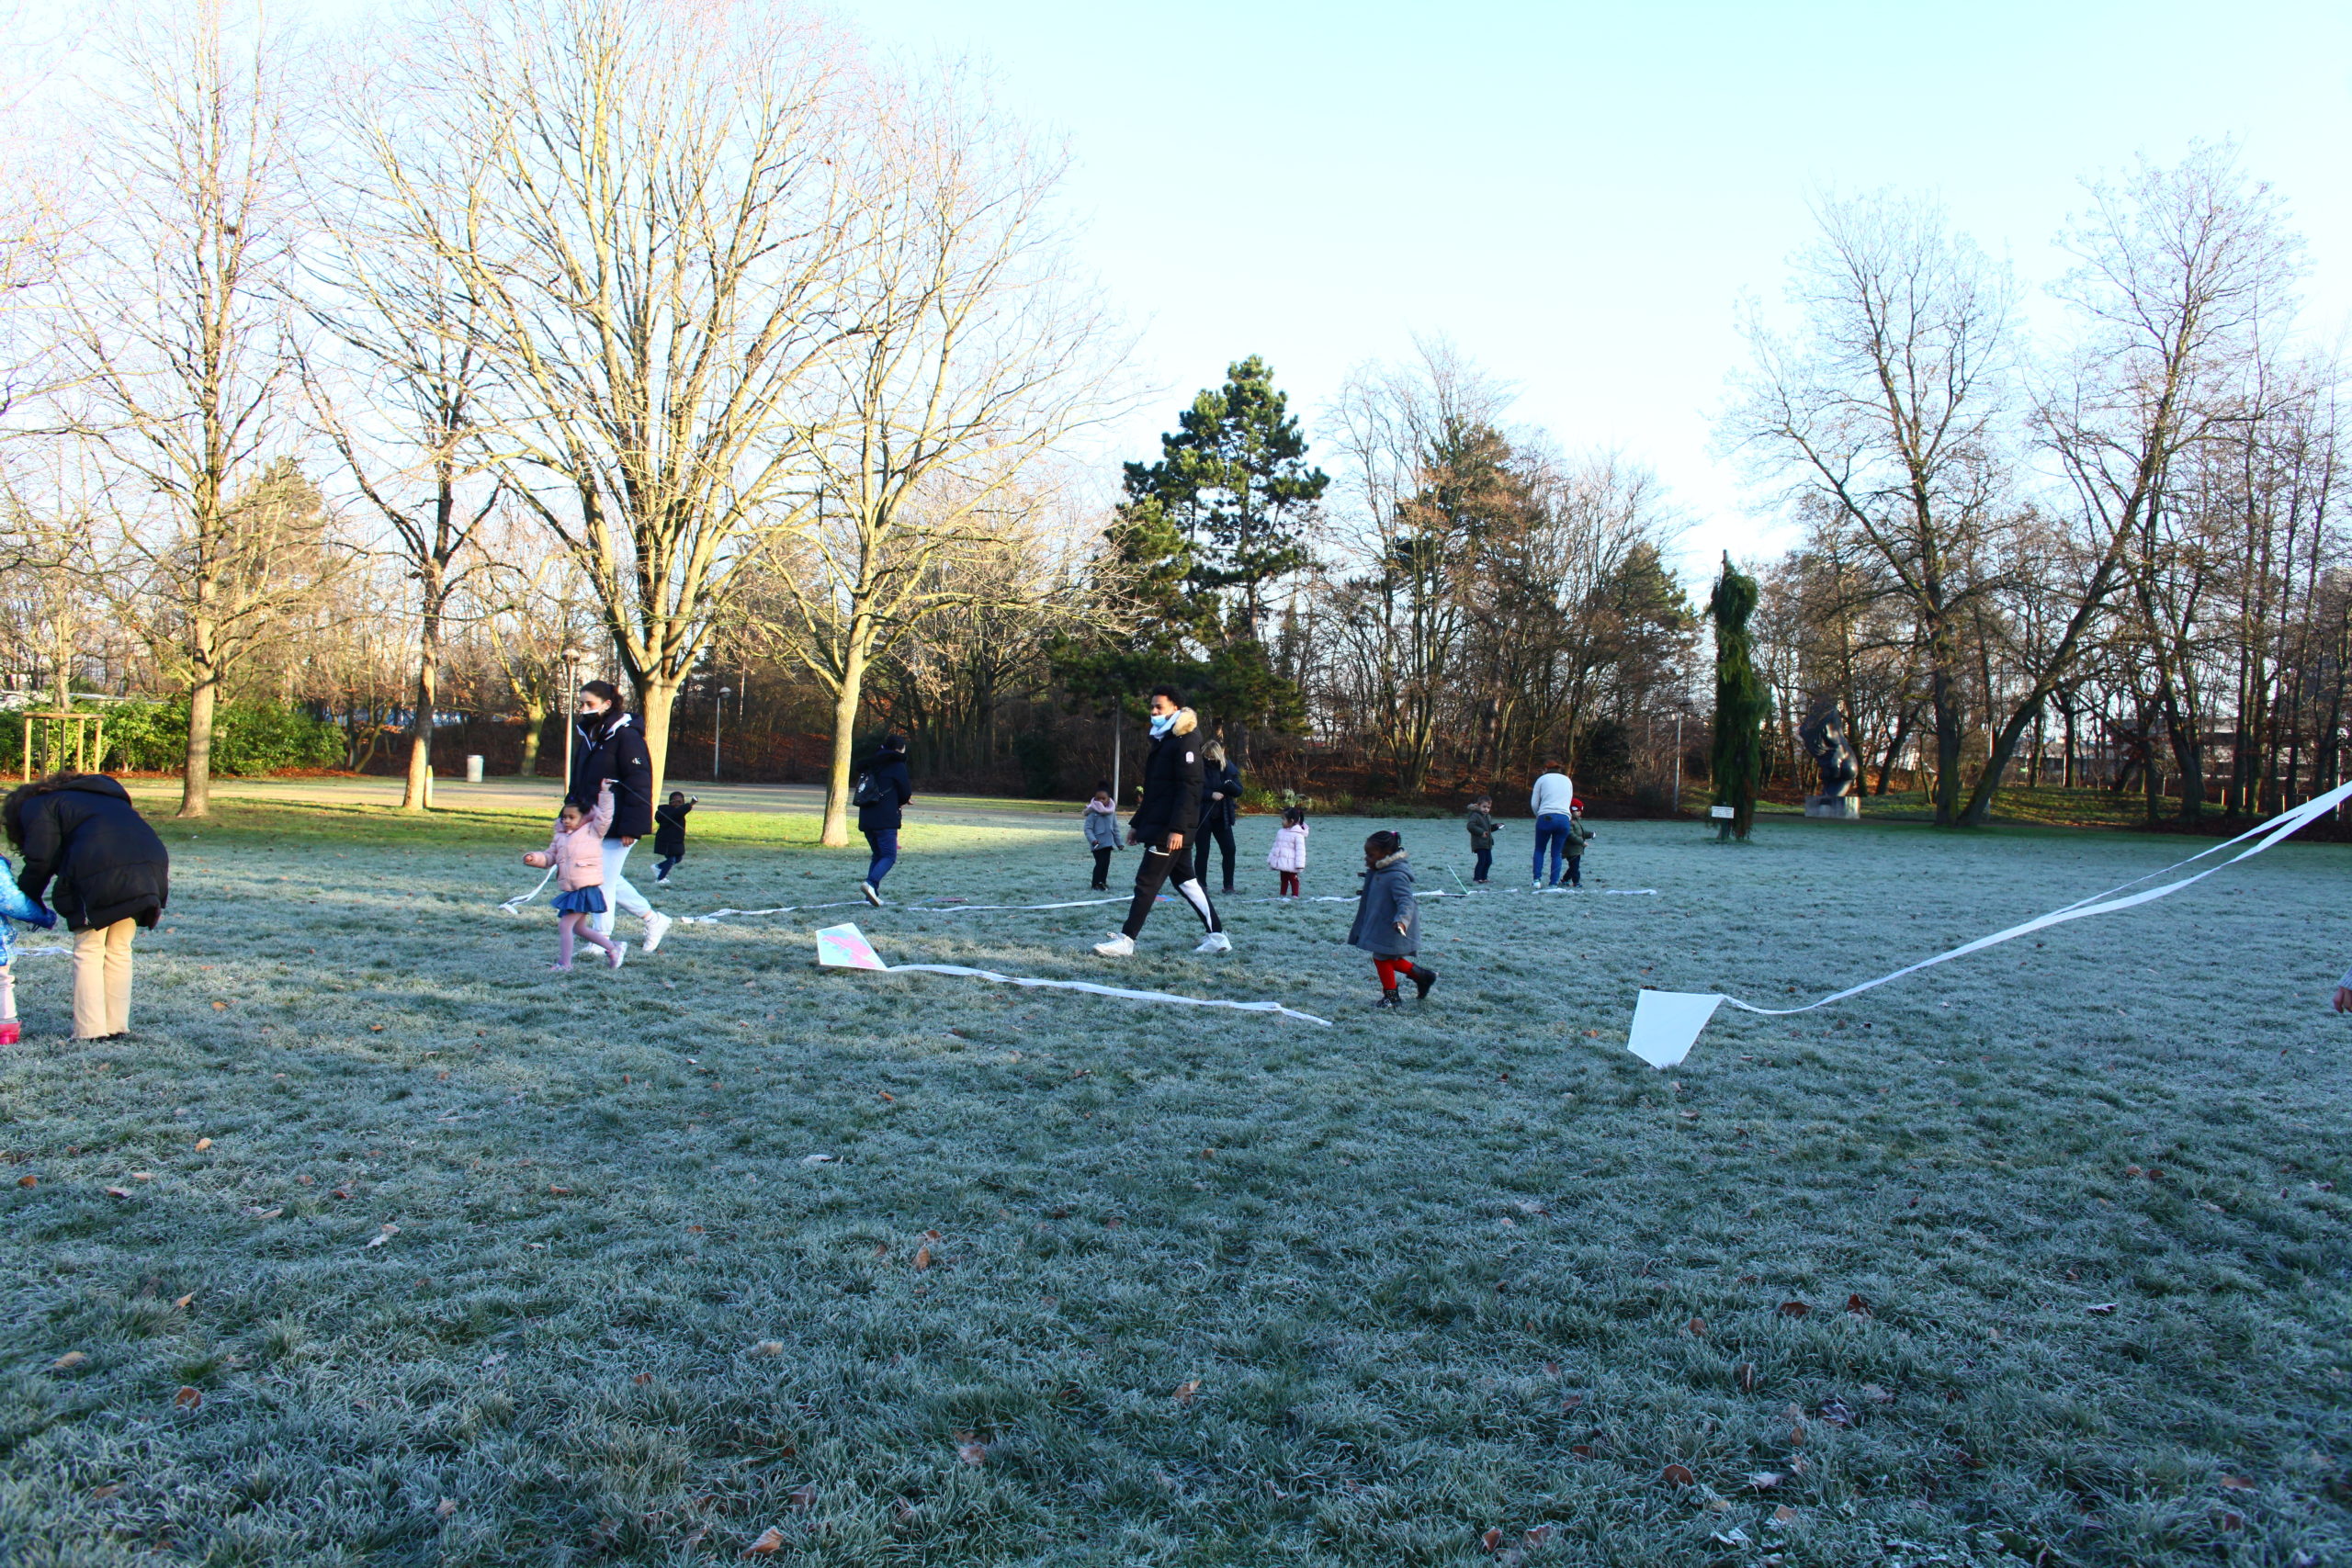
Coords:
540,797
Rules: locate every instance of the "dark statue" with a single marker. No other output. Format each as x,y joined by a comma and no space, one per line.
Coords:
1825,736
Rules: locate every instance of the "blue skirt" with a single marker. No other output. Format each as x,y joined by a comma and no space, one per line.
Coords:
581,901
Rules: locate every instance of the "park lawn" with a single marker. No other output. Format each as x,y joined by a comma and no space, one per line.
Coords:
1093,1282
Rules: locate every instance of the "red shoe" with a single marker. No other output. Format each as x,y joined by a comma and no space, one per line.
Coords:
11,1032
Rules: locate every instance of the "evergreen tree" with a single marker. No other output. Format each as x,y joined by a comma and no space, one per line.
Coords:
1741,703
1200,543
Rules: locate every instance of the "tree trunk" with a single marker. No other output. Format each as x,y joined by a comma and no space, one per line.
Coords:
656,696
846,701
417,796
196,777
1948,738
535,720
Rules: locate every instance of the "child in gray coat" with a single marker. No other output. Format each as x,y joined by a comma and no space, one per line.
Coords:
1103,833
1388,920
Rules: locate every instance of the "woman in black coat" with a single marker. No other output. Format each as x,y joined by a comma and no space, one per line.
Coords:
884,787
609,745
103,868
1220,803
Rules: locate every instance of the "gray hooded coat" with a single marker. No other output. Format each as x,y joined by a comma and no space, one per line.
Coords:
1386,899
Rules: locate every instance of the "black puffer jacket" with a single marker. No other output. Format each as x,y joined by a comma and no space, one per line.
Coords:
611,746
1171,784
106,863
1219,778
888,813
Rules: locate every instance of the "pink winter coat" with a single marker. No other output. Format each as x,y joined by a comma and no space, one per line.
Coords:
579,854
1289,853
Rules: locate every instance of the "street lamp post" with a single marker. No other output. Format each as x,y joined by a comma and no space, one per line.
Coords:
718,712
1678,761
573,657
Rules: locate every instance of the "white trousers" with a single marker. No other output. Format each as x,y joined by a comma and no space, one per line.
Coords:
619,894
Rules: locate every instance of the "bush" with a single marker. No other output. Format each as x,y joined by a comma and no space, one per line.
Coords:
150,735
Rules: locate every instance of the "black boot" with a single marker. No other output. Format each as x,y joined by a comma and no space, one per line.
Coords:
1423,978
1388,998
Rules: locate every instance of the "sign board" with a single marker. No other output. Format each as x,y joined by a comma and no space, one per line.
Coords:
1721,813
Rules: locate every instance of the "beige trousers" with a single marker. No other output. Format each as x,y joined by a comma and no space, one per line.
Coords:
102,980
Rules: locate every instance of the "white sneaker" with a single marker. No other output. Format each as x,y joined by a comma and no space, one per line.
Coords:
872,895
656,926
1120,946
1216,941
620,951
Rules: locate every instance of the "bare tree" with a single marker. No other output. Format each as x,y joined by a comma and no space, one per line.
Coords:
642,203
966,365
1893,410
180,342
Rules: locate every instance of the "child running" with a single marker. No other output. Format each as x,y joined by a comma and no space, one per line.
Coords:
1102,834
1481,820
15,908
670,832
1388,922
577,852
1288,857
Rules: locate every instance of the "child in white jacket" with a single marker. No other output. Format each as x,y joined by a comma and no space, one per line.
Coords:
1288,857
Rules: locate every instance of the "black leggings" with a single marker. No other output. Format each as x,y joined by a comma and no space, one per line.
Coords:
1102,867
1220,829
1160,866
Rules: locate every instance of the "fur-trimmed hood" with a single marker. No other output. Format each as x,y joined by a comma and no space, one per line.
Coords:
1399,858
1186,722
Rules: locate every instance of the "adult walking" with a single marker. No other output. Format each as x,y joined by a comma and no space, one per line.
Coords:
882,792
610,745
1171,806
1553,801
102,867
1220,803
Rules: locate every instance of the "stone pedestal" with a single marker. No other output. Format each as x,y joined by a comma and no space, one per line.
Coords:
1834,807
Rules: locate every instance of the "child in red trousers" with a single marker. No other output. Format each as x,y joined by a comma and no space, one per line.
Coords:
1388,920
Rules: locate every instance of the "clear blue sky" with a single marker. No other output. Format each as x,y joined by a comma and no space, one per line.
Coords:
1579,195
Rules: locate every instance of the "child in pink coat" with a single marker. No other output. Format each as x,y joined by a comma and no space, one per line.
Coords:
1288,857
577,852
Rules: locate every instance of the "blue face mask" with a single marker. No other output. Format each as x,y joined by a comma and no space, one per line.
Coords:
1161,724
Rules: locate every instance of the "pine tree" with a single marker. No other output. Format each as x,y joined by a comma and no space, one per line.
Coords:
1741,703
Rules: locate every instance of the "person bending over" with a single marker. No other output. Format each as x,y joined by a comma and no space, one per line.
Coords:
1172,804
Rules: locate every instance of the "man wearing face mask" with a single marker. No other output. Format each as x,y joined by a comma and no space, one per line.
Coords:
610,746
1170,808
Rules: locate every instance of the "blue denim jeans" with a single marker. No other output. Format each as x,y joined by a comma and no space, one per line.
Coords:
1486,863
1550,828
885,844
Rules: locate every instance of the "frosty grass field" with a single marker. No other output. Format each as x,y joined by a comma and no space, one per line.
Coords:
377,1245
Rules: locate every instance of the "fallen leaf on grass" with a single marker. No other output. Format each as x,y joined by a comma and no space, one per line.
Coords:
641,1378
1858,1307
2236,1484
1679,1475
559,1192
1185,1390
1748,1377
1571,1403
1876,1395
1538,1536
69,1360
771,1540
1763,1480
100,1493
266,1214
1793,1309
2101,1310
202,1145
2230,1519
1698,1327
182,1303
923,1256
28,1181
970,1449
382,1235
447,1506
768,1347
804,1497
816,1159
888,1095
117,1192
1784,1514
1492,1540
1835,1411
219,1007
189,1397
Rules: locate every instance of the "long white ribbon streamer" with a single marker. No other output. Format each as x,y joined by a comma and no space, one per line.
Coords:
515,905
1667,1023
845,947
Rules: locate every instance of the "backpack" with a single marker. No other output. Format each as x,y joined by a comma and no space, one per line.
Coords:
868,790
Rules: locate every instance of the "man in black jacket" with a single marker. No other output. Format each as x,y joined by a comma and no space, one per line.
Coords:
882,792
1171,807
610,746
